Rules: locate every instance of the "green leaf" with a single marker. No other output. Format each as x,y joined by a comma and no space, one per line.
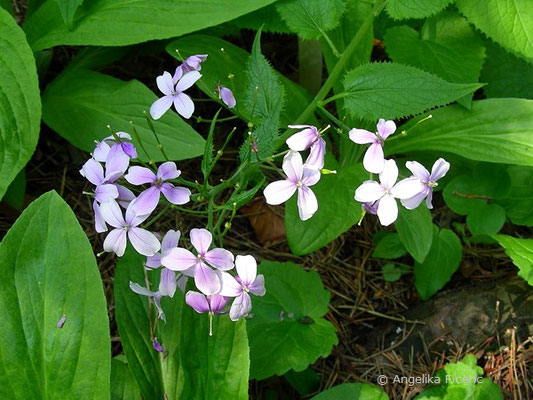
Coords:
495,130
20,104
521,252
391,273
447,46
415,231
519,203
389,90
508,22
266,18
311,18
80,104
68,9
112,23
404,9
506,75
337,211
305,382
439,265
219,368
486,220
48,272
222,64
17,191
389,246
352,391
289,320
123,385
6,5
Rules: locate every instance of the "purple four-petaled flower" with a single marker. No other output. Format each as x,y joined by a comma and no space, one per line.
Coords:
309,137
173,94
167,287
429,181
192,63
374,159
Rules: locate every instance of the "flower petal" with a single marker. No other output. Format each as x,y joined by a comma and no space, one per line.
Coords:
246,267
369,191
279,192
112,214
178,259
220,259
197,301
168,170
141,290
227,97
145,242
413,202
206,279
217,303
165,83
407,188
362,136
258,286
129,149
140,175
170,240
307,203
230,286
302,140
175,195
116,164
374,160
161,106
418,170
184,105
387,210
143,205
167,283
293,166
310,176
187,80
153,261
386,128
429,199
316,155
201,239
125,196
101,151
93,171
115,242
389,175
439,169
105,192
241,307
99,222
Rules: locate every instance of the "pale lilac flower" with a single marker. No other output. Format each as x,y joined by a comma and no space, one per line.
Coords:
212,305
158,347
374,160
147,201
102,148
192,63
226,95
170,240
207,280
143,241
429,181
371,208
174,95
167,287
246,282
387,191
299,178
61,322
115,165
309,137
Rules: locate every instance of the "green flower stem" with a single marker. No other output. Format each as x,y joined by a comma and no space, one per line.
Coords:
159,215
332,118
152,128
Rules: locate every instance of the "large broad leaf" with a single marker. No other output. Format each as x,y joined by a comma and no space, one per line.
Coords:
415,231
311,18
119,23
288,330
506,75
439,265
508,22
521,252
518,203
231,62
352,391
80,104
196,366
68,9
446,46
389,90
403,9
337,211
495,130
123,385
20,105
54,330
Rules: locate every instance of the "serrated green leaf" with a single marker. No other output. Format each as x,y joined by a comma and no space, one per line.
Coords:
310,18
20,104
352,391
267,19
495,130
289,319
486,220
68,9
389,246
507,22
389,90
207,159
337,210
112,23
80,104
440,263
48,274
521,252
123,385
446,46
403,9
415,229
506,75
